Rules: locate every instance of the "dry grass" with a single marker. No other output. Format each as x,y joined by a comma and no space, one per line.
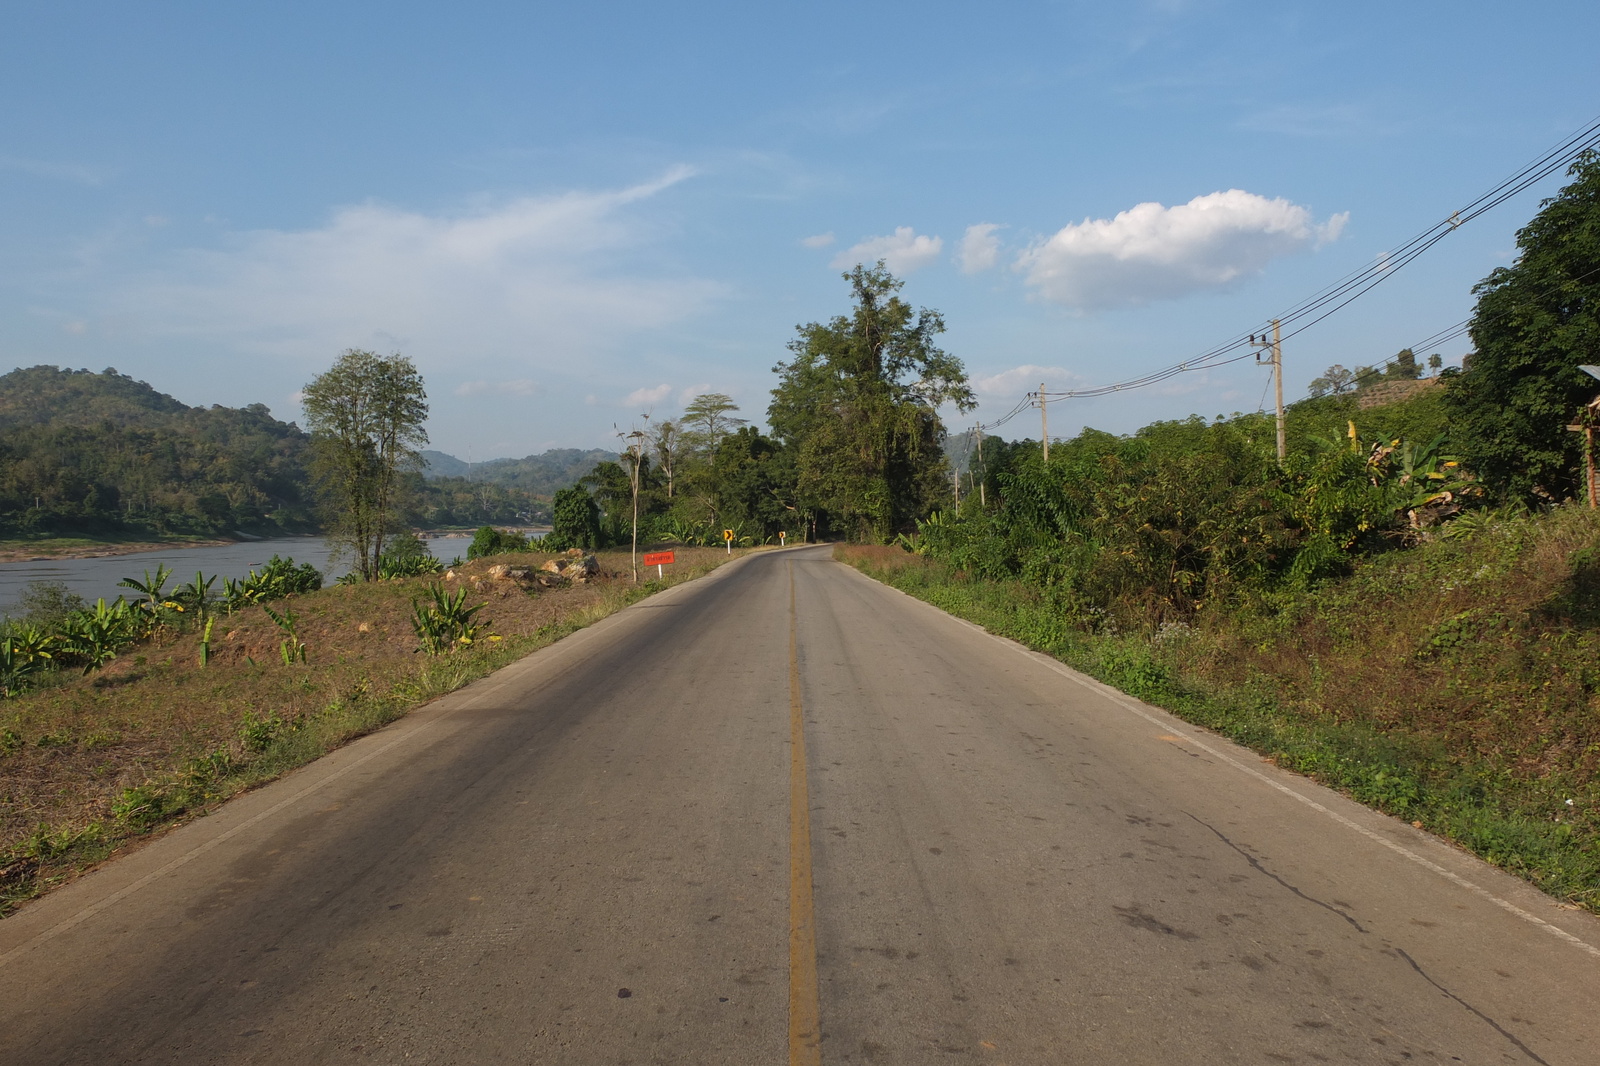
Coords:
155,723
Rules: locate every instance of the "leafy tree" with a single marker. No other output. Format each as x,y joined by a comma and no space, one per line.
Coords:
859,404
366,416
666,440
1335,380
1535,322
749,479
707,419
1403,367
1435,362
491,541
575,521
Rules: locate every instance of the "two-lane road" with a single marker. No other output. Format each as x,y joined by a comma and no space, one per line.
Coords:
616,852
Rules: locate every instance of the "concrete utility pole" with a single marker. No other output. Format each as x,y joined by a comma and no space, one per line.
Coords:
1275,358
636,450
981,501
1044,424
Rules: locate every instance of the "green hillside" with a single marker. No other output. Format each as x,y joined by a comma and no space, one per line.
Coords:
102,453
544,474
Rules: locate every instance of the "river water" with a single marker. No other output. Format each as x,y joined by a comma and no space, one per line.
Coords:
96,578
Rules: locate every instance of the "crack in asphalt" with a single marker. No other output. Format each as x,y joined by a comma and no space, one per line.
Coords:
1259,868
1524,1048
1256,864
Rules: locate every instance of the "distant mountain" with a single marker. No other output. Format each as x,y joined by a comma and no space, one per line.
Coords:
542,475
438,464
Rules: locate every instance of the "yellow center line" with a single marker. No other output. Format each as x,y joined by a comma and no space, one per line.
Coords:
805,1024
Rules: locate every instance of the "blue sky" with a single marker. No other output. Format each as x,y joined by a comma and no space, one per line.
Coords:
571,215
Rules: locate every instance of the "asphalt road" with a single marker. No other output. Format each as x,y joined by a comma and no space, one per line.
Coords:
615,851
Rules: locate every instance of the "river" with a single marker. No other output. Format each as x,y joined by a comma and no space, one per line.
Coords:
96,578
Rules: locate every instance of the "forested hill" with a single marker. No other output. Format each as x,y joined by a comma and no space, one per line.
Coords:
544,474
102,453
47,395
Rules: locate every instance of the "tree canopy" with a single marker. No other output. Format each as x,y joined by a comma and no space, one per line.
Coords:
366,416
859,403
1535,322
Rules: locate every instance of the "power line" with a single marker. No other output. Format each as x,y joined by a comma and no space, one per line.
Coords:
1352,286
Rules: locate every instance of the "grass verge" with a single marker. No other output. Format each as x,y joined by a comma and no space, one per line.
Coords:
1501,761
91,765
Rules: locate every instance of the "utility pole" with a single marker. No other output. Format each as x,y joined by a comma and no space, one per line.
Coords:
1044,424
981,501
1588,417
1275,359
636,449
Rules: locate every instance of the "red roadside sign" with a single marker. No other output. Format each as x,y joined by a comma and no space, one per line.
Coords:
657,558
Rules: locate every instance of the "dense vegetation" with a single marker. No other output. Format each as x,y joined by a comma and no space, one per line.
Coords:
102,453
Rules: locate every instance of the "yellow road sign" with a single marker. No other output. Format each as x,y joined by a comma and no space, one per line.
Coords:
727,534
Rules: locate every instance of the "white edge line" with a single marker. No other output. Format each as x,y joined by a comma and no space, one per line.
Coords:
1128,703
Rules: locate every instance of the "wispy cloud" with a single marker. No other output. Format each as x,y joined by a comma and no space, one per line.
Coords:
902,251
533,283
820,240
980,248
1020,379
1152,252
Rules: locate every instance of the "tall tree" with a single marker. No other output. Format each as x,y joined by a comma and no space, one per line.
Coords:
1535,322
366,416
706,420
859,402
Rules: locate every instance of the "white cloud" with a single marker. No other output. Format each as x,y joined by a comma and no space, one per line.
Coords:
689,392
647,398
902,251
535,283
1152,252
1025,378
980,248
513,387
820,240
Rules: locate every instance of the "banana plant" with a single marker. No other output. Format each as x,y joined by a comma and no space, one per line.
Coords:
195,595
153,589
95,635
293,649
447,622
205,642
17,666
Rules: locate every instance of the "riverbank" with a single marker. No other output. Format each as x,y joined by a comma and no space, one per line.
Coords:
42,549
91,765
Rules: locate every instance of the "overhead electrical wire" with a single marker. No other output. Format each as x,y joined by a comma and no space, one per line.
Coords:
1352,286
